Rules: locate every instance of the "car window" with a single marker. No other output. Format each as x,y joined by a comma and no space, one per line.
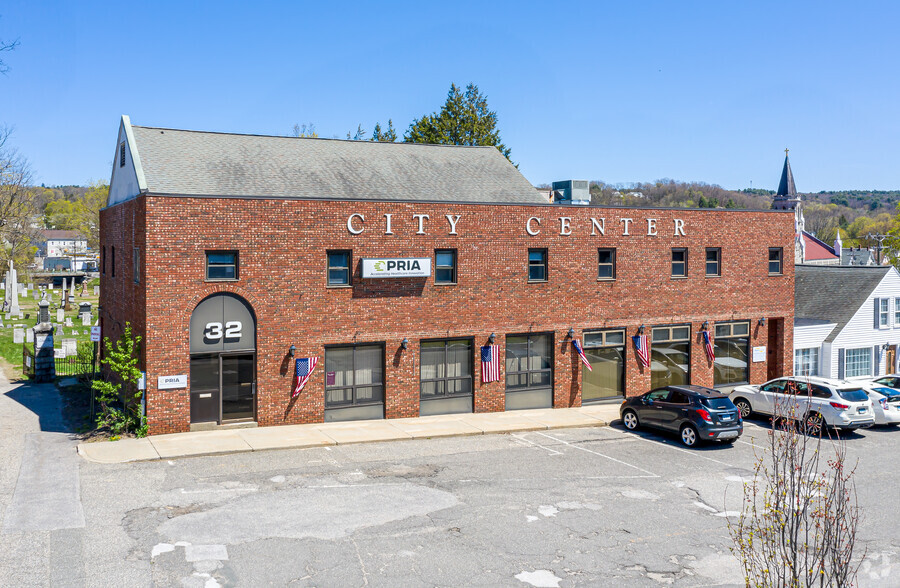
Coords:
820,392
887,392
885,381
658,395
679,397
774,386
718,403
852,394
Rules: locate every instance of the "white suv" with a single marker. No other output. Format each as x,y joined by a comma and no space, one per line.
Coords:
812,401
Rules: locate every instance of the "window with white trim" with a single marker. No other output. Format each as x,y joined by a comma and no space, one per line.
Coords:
806,362
858,362
896,313
884,312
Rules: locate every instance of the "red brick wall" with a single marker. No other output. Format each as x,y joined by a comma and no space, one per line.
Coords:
282,246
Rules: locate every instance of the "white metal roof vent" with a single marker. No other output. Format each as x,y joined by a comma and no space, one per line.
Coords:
571,192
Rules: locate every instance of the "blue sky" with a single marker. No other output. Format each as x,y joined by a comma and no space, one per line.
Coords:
612,91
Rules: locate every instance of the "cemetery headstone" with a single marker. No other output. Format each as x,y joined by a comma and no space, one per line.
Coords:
60,315
74,332
96,290
85,319
70,346
68,321
29,336
18,335
59,331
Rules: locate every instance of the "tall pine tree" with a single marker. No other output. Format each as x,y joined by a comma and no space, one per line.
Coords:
465,119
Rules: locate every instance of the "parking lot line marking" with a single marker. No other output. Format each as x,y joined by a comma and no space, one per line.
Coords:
670,446
598,454
533,444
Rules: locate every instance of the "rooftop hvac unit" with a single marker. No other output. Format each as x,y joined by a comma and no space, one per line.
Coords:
572,192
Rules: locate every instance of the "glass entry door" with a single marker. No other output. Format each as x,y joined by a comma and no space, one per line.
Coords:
238,383
223,387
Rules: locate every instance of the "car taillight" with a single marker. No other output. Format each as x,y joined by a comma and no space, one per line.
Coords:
840,406
883,403
704,414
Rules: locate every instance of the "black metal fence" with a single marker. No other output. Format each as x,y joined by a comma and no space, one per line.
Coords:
75,365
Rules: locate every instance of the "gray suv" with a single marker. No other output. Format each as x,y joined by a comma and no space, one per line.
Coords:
694,412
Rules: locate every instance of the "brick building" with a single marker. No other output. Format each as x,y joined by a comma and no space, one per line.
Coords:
229,253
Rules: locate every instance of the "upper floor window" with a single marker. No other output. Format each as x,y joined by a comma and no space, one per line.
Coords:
103,259
339,268
679,263
713,261
112,262
884,313
221,265
445,266
121,155
136,265
775,254
537,265
896,312
606,264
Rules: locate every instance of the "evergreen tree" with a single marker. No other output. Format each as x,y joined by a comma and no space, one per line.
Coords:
465,119
388,135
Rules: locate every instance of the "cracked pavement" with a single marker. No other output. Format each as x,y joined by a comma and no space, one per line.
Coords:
596,506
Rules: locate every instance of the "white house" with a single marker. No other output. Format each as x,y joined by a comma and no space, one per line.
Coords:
846,320
63,243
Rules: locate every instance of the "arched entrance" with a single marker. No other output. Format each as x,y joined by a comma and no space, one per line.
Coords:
223,360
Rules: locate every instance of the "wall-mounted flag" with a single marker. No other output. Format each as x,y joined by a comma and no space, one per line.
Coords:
642,347
304,369
707,343
490,363
580,351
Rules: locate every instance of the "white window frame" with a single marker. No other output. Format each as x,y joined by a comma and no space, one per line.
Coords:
861,364
806,362
884,313
896,313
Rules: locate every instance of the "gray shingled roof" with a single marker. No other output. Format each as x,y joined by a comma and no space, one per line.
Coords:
834,292
219,164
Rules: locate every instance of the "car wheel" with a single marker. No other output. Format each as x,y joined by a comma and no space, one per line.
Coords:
812,424
630,420
689,435
743,407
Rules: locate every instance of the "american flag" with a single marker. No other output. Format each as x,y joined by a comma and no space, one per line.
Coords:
580,351
707,343
490,363
305,367
642,346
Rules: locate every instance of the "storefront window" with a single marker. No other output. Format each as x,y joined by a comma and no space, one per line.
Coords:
354,375
446,368
670,356
806,362
528,362
731,345
605,351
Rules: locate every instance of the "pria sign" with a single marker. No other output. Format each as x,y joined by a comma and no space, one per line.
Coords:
397,267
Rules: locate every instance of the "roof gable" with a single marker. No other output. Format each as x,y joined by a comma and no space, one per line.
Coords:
834,293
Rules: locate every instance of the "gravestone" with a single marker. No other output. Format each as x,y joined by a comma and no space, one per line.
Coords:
60,315
44,363
74,332
70,347
31,286
29,335
62,298
68,321
96,290
18,335
59,331
85,319
13,285
36,295
84,307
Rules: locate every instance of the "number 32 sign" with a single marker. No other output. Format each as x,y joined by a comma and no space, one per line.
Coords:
231,331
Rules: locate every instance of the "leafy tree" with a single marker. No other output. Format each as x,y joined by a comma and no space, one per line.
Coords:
388,135
81,213
118,394
359,136
464,119
18,204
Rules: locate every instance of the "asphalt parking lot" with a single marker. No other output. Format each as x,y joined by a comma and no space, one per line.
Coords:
593,506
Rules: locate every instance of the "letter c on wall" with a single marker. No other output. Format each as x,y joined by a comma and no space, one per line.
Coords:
528,228
350,228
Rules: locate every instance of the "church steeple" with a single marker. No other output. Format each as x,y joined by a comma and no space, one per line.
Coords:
786,197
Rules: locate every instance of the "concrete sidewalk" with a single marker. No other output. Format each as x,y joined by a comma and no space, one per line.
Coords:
318,434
